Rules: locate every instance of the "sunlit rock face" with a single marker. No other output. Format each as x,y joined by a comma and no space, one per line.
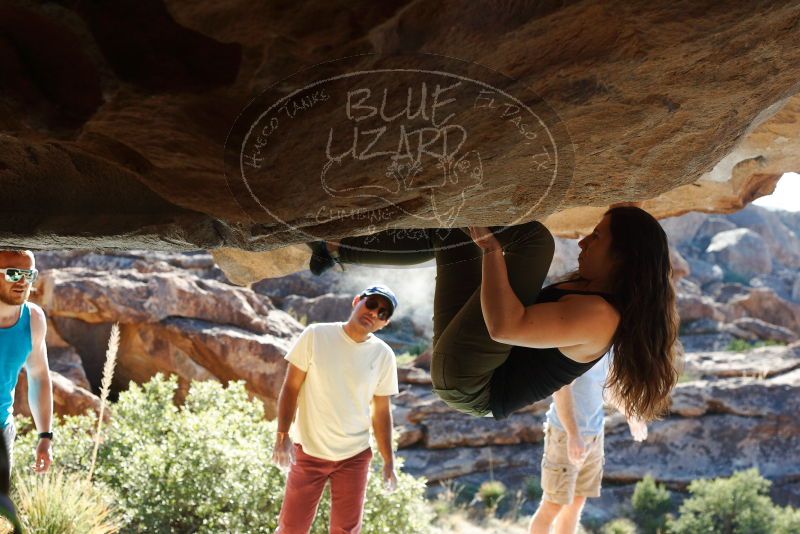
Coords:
114,117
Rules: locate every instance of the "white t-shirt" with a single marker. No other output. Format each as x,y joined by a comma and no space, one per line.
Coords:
333,406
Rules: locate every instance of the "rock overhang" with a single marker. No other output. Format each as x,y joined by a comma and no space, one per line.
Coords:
671,109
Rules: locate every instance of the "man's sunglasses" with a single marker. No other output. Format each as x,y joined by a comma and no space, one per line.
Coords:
14,275
374,302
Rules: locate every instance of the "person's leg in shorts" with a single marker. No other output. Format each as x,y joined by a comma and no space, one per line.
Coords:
587,485
464,355
558,479
566,485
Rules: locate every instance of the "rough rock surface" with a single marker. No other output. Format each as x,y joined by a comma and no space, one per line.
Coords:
68,398
693,307
762,362
738,411
133,132
175,317
742,250
764,303
764,330
129,296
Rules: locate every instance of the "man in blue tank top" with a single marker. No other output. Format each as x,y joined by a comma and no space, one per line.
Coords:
22,343
572,464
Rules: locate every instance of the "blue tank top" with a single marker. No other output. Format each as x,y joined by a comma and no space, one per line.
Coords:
15,346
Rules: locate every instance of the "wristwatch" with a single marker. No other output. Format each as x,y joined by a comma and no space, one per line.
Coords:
48,435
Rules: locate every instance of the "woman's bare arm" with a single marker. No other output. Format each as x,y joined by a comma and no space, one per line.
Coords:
584,322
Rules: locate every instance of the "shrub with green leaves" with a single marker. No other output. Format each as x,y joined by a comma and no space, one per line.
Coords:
620,525
533,488
651,503
736,505
404,511
491,493
787,520
203,466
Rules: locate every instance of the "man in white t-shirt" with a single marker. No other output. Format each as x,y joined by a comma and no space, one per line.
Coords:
337,371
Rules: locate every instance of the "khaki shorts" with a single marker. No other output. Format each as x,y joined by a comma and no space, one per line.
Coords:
561,480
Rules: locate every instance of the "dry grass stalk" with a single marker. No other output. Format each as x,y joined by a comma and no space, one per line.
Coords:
105,389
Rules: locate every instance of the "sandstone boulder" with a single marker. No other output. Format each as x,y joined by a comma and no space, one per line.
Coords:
442,464
688,287
444,432
745,396
322,309
762,362
413,375
67,362
764,304
710,227
423,361
783,243
725,292
199,350
764,330
68,398
408,435
128,296
681,230
680,267
172,322
720,341
742,251
705,272
702,326
680,450
243,267
197,263
693,307
302,283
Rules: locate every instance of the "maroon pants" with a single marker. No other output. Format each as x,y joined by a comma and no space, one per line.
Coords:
304,487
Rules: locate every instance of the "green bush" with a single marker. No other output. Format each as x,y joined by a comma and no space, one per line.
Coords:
491,493
58,503
787,520
619,526
204,466
735,505
405,511
651,503
533,488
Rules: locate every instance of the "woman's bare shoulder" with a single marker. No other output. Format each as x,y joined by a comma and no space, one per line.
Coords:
598,318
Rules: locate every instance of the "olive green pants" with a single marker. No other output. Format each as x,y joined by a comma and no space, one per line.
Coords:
464,355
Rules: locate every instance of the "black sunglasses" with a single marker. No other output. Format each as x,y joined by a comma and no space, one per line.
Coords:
374,302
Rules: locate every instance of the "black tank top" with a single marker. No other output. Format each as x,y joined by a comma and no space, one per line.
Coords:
529,375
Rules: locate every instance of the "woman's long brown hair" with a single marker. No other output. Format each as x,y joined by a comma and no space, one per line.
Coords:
644,368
